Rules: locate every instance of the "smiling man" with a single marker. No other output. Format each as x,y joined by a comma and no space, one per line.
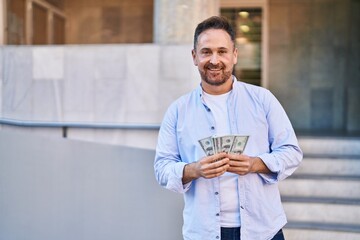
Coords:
215,55
227,194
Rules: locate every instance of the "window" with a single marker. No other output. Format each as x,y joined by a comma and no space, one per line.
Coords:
39,25
35,22
16,22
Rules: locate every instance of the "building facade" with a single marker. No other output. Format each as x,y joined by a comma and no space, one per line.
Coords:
306,52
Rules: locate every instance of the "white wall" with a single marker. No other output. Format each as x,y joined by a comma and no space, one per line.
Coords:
96,83
76,190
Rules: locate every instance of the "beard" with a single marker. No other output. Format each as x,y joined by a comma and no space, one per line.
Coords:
217,78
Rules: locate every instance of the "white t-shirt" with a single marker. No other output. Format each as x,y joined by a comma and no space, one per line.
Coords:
229,196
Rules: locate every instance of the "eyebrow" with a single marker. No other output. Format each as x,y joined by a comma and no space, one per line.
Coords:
207,48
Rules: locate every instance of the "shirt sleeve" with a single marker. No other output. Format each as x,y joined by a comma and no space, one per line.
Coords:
168,165
285,154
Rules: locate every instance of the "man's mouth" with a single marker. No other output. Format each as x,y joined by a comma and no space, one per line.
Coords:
214,69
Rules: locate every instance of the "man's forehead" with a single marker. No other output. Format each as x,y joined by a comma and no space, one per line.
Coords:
214,37
214,32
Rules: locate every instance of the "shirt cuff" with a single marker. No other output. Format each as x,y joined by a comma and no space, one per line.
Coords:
273,165
175,181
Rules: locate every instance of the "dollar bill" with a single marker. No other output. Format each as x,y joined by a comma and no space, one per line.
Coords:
207,145
217,142
228,143
239,144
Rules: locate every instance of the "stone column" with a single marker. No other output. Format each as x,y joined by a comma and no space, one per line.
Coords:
176,20
3,15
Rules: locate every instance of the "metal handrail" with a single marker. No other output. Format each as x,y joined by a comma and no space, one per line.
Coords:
101,125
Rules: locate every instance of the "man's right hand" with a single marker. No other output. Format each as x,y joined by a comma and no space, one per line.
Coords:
207,167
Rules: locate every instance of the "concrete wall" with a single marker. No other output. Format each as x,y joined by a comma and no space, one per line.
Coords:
175,20
96,83
54,188
314,54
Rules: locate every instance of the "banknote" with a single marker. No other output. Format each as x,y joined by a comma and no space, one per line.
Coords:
207,145
227,143
217,142
239,144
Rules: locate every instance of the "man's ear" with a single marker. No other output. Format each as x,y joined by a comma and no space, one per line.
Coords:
193,53
235,55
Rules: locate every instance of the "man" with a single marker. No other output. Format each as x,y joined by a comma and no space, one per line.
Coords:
226,194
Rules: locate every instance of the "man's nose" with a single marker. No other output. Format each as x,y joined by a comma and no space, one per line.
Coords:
214,59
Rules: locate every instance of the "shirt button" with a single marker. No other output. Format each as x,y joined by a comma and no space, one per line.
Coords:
212,127
216,193
217,237
217,214
241,207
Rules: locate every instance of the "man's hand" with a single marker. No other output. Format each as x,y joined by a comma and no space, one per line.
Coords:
207,167
243,164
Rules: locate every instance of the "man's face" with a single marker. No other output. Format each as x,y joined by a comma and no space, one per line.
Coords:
215,57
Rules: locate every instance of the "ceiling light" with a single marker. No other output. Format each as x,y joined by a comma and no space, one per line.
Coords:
244,28
244,14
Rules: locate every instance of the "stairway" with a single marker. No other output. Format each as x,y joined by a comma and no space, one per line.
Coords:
322,198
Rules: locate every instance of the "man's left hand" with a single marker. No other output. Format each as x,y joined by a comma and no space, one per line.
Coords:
242,164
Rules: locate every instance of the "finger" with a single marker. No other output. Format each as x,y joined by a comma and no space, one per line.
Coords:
216,157
239,163
217,166
238,170
235,163
214,164
219,162
211,173
207,159
237,156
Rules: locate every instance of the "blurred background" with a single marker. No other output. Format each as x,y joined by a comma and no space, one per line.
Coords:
88,81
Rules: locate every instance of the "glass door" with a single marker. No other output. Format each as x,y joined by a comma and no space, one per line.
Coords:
249,20
247,23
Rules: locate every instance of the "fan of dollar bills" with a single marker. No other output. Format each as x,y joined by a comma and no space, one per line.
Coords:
229,144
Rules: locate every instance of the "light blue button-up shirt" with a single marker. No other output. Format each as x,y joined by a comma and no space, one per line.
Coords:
253,111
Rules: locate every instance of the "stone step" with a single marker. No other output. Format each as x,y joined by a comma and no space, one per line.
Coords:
338,227
308,231
331,187
322,198
346,146
335,165
322,210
